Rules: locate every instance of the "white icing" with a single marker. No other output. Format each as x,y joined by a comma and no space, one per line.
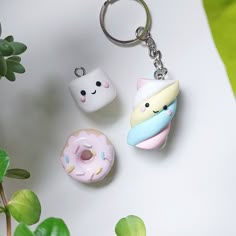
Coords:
150,88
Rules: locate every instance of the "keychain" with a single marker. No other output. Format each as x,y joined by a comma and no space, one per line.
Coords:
156,99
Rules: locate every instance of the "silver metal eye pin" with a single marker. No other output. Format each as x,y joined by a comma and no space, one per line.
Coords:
142,35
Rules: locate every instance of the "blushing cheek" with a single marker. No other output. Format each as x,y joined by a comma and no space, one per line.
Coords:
82,99
169,112
106,84
143,109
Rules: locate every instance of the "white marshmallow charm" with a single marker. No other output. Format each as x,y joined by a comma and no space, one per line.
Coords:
92,91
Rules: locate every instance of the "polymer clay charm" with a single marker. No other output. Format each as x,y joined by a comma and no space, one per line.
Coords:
156,100
154,108
88,156
92,91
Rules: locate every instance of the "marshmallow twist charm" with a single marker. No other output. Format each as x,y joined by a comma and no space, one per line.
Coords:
155,107
156,100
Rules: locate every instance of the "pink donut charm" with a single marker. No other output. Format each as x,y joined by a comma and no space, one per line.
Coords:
88,156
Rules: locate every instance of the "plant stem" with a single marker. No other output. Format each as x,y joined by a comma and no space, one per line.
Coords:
8,216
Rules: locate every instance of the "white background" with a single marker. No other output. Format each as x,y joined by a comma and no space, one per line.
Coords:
186,189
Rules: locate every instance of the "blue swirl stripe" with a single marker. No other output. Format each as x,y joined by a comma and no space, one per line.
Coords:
152,126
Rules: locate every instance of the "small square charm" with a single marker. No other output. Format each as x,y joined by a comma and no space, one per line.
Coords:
92,91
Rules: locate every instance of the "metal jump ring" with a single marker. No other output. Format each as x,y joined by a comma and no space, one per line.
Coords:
146,28
79,72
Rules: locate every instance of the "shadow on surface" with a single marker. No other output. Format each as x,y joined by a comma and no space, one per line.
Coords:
32,132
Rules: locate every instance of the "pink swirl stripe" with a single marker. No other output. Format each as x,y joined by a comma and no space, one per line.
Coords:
156,141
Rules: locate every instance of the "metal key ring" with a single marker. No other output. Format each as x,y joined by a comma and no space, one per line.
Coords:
146,28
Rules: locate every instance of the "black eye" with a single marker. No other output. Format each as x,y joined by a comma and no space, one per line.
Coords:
83,93
98,83
147,105
165,107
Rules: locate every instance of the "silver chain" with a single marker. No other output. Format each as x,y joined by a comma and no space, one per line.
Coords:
154,53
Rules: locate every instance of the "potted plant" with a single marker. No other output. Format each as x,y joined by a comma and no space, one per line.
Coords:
10,61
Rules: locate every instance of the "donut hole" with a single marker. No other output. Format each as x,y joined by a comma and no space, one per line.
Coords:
86,155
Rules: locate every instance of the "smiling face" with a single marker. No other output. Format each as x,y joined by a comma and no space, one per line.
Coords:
156,103
92,91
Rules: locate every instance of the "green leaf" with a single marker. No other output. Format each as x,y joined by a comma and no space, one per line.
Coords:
5,48
13,66
52,227
10,76
18,48
3,66
23,230
130,226
25,207
2,209
9,38
4,163
17,174
222,19
14,58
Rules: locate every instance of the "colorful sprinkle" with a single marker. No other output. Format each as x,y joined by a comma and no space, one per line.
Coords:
87,145
98,171
91,179
80,174
103,156
108,159
94,153
67,159
77,149
70,169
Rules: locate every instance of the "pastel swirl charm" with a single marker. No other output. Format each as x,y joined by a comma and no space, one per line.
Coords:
154,109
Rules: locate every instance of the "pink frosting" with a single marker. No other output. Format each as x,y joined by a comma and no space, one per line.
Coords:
157,141
141,83
94,169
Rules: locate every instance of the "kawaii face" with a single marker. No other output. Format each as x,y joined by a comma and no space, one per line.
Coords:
92,91
155,104
151,111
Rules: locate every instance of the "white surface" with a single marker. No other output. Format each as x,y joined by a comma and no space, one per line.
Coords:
186,189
